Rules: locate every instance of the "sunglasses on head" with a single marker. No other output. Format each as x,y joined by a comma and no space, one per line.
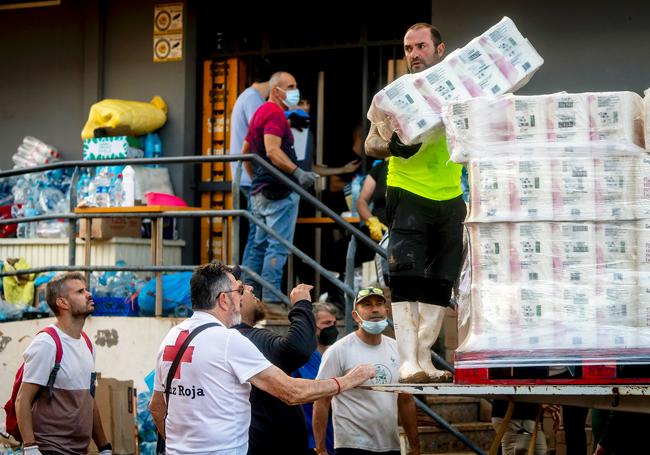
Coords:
370,291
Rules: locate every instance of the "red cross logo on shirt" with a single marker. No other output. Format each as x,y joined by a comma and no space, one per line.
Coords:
170,352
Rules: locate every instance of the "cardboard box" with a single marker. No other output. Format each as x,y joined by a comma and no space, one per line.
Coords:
111,148
106,228
115,401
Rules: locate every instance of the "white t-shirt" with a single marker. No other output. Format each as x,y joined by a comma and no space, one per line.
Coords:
63,424
364,419
208,405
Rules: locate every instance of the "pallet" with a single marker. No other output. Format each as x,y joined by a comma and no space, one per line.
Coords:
589,368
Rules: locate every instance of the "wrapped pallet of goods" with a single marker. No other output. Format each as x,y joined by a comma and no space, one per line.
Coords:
559,233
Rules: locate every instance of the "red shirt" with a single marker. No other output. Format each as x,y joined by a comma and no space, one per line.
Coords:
268,119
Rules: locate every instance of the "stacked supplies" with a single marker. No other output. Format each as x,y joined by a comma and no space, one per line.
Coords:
559,228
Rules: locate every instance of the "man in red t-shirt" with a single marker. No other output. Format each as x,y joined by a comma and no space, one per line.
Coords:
274,203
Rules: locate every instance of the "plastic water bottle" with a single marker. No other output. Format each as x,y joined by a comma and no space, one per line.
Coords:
118,192
128,185
152,147
102,189
39,146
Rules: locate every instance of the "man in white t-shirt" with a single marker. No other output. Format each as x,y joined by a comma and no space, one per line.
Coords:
365,422
208,411
61,420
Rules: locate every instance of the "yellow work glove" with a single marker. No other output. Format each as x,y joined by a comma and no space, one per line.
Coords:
376,228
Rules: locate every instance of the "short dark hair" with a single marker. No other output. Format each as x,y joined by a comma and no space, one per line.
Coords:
208,280
435,33
56,288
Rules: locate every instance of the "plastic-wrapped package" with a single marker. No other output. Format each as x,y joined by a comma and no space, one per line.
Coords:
532,185
614,187
497,62
573,188
482,126
489,190
518,59
440,83
490,252
400,107
478,71
574,253
616,116
567,117
531,249
616,252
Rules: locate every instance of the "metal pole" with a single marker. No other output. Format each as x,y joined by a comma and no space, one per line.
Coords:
349,280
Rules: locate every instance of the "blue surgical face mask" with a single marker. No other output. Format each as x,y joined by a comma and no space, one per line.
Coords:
374,327
292,97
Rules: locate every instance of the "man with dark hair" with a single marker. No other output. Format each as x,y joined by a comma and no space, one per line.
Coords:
365,421
208,408
61,420
274,203
425,209
277,427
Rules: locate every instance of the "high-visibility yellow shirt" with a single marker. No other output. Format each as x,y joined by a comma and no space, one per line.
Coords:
429,173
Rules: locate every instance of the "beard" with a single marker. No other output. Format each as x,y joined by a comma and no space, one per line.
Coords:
236,319
83,313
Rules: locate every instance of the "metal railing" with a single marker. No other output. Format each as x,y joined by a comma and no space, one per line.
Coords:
236,213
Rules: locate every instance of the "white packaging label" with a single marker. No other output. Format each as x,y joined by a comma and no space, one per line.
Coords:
532,195
617,316
615,187
532,252
490,250
573,189
482,69
490,197
405,106
574,252
535,327
576,313
567,118
616,116
527,114
616,252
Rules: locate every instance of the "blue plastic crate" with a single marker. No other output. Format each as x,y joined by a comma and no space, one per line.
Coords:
115,306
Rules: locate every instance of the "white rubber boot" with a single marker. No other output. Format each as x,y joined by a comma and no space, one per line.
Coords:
431,318
405,320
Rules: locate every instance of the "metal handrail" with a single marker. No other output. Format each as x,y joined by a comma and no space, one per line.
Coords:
180,160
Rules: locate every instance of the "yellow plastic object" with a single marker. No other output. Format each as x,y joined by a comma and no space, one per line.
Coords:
18,289
140,117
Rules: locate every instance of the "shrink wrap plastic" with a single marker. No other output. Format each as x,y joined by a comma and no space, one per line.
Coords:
559,237
646,102
481,127
499,61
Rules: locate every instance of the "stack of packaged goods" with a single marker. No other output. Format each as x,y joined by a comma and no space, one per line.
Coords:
559,228
499,61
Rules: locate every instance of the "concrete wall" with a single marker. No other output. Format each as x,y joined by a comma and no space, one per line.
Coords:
587,46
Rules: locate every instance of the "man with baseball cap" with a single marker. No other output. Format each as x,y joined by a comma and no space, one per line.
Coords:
365,421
